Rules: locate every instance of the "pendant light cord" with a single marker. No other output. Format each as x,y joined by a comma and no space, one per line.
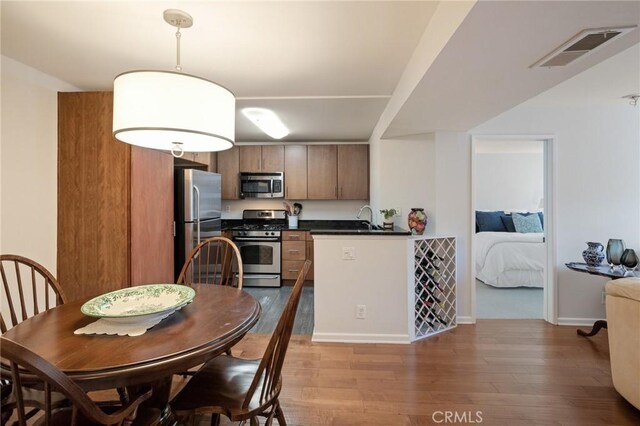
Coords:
178,66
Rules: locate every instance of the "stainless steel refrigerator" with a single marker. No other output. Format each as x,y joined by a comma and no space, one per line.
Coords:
198,207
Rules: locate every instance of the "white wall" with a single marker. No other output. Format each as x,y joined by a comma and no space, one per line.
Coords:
378,277
509,181
28,158
453,208
405,173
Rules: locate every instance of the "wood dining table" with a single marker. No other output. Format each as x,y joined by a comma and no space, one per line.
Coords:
216,319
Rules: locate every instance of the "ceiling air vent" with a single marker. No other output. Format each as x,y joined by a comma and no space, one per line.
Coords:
585,42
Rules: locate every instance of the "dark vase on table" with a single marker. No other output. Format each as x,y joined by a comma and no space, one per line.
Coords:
615,248
629,259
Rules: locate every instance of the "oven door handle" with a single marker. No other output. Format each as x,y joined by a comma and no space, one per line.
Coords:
274,239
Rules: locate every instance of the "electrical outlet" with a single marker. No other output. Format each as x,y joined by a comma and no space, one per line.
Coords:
361,311
398,212
227,208
348,253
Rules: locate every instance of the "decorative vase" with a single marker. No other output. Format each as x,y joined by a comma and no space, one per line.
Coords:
417,221
593,255
615,248
629,259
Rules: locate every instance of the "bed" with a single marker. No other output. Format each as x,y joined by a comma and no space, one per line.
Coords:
510,259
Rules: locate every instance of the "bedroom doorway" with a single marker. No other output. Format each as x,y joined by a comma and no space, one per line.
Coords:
510,246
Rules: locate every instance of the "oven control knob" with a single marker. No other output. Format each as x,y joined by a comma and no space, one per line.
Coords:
273,233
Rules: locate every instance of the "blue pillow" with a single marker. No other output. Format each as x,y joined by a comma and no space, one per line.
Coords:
490,221
507,221
527,224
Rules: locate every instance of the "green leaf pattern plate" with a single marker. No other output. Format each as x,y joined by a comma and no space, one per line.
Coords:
139,301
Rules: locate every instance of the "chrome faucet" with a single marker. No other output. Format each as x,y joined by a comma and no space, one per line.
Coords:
366,206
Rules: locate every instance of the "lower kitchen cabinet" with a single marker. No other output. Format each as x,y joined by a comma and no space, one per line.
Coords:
297,246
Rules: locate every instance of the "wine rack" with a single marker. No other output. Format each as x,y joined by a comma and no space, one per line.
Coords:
435,285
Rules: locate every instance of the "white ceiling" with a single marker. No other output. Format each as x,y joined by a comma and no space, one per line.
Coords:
484,69
311,51
327,68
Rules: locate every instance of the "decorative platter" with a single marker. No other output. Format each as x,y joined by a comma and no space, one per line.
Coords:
145,301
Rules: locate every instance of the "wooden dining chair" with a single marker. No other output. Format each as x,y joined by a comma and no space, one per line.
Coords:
27,366
216,260
28,288
244,389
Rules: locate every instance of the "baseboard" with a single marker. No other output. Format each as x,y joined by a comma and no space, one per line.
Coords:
578,321
465,320
360,338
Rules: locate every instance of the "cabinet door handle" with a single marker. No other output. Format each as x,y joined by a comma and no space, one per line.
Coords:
287,190
294,237
294,251
293,270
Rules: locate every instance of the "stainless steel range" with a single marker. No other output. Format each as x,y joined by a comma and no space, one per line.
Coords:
259,240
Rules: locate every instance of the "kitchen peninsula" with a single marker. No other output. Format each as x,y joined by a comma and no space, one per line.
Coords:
379,287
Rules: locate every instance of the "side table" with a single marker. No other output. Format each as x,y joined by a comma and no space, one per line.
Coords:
603,271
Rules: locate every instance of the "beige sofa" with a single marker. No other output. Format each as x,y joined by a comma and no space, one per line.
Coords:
623,322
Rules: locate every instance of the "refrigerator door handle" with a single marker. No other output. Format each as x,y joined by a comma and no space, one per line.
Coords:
197,218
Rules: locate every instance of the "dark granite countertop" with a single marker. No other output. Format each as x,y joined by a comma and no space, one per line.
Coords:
389,232
331,227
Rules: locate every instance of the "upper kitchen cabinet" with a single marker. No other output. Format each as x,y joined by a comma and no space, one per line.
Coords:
262,158
115,203
322,170
229,168
295,172
197,160
353,172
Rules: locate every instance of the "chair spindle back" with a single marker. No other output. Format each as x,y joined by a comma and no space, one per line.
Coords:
213,261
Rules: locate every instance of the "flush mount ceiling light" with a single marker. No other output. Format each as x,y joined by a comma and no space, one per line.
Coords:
267,121
170,110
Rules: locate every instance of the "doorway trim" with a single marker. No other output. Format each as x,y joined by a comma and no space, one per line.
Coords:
550,290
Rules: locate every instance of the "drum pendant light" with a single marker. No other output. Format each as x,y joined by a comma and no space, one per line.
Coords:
170,110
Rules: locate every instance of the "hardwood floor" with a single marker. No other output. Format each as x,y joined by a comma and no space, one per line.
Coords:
273,300
509,372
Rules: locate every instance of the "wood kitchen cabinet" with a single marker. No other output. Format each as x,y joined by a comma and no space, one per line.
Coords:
262,158
115,203
311,172
250,158
322,171
353,172
229,168
295,172
206,161
295,250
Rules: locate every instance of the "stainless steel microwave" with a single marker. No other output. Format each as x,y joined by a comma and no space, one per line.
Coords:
262,185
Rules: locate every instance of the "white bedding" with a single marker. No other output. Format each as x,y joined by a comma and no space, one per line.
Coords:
510,259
